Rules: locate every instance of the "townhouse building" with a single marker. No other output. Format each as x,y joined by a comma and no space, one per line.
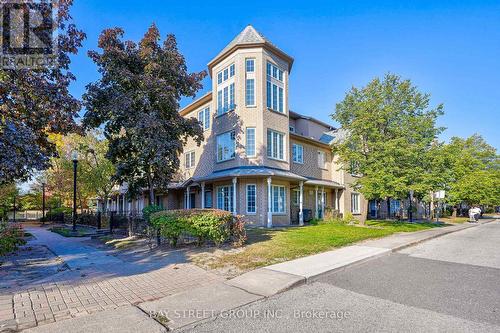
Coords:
258,158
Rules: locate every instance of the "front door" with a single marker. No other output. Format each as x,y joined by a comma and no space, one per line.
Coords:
192,198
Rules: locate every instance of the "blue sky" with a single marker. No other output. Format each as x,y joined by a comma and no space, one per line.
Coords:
450,49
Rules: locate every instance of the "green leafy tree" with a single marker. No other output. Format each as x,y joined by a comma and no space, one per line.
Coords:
36,102
474,171
8,193
390,131
94,174
137,103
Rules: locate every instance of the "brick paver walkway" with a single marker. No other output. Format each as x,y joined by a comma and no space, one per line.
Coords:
111,283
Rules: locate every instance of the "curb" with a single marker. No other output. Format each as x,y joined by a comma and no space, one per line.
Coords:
313,278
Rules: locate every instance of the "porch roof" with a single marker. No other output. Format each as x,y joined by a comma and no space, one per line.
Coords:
324,183
251,171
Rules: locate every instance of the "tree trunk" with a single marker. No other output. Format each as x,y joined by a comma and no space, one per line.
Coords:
151,191
388,208
454,214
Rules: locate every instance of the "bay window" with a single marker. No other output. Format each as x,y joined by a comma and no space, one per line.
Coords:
226,145
275,88
225,198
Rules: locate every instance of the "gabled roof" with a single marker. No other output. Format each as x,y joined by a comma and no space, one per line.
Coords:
249,37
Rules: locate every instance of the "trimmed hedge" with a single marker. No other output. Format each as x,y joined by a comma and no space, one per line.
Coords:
213,225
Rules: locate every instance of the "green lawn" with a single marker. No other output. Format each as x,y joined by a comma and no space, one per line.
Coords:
266,247
67,232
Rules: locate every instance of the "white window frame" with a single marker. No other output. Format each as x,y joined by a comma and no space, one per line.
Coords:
275,88
231,133
247,61
254,199
226,90
296,197
271,145
355,203
250,92
323,158
190,159
226,190
279,211
295,155
204,118
248,143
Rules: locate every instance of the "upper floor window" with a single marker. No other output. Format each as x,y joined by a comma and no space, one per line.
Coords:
274,71
250,92
321,159
225,73
250,65
226,146
274,88
189,159
225,90
355,209
298,153
275,145
225,99
292,129
250,142
204,118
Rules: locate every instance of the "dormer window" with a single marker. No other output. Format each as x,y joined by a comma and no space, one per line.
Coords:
275,88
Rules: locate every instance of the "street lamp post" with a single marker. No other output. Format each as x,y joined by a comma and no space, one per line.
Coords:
43,202
74,157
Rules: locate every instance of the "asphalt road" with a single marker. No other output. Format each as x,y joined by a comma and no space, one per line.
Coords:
448,284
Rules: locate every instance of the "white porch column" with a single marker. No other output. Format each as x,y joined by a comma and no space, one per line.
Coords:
235,180
188,197
301,203
269,204
337,199
203,195
322,202
316,210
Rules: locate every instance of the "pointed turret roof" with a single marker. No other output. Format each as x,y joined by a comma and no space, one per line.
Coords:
249,37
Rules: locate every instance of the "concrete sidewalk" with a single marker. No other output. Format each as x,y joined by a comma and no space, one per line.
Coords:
216,299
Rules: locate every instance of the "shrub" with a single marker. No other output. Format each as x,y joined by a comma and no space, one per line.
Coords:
57,214
11,236
148,210
213,225
349,218
87,219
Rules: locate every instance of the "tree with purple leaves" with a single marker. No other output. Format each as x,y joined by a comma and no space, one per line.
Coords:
35,102
136,102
